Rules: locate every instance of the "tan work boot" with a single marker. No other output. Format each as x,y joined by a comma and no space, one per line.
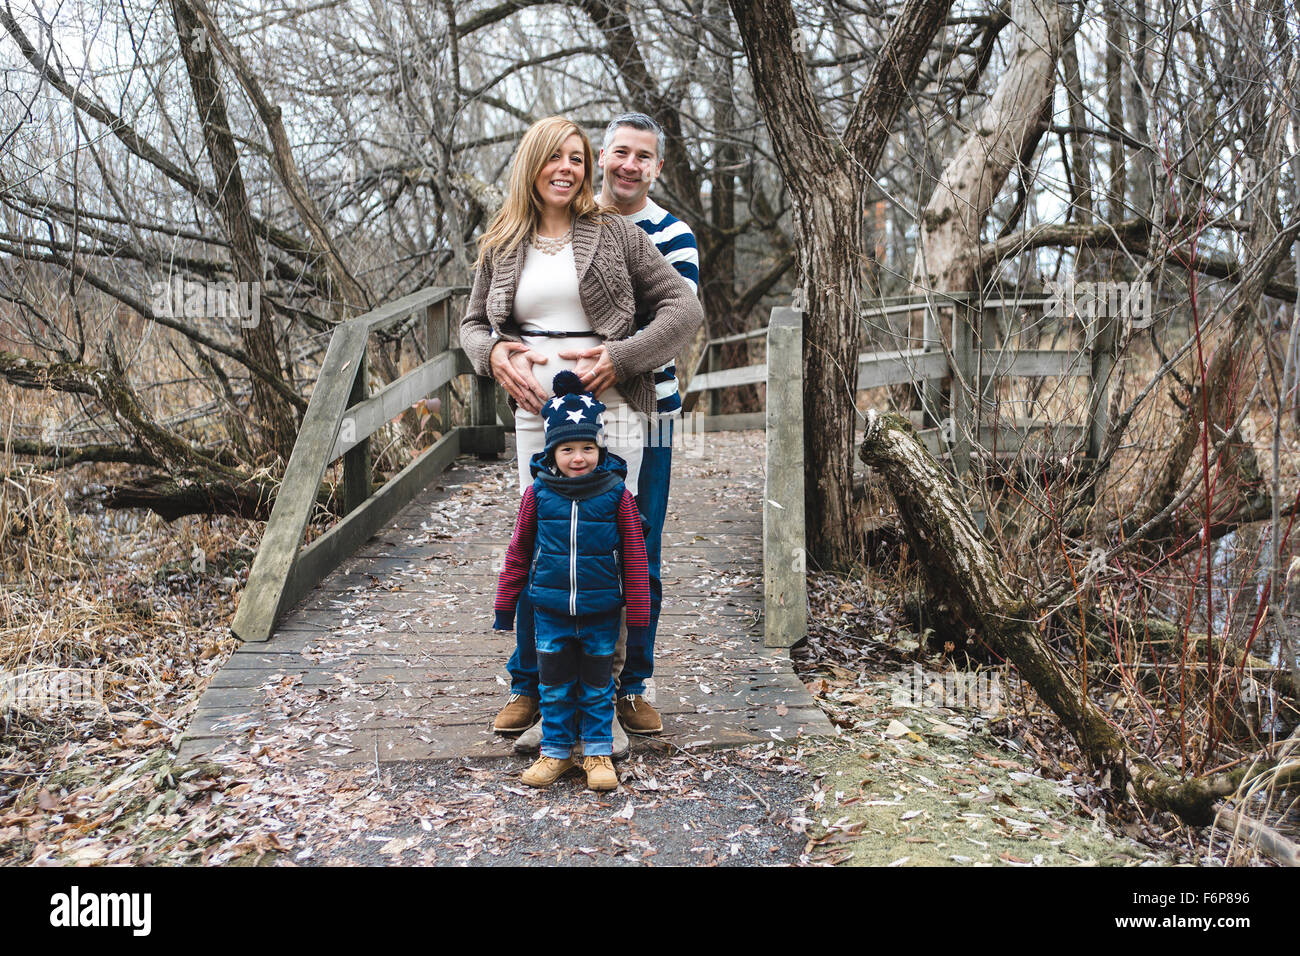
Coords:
518,714
637,715
600,773
547,770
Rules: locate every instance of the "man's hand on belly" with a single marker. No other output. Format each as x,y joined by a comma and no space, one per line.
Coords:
594,368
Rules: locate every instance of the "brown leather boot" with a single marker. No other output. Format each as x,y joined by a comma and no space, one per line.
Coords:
637,715
518,714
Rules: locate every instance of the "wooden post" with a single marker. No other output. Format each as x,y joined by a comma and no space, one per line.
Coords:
356,463
963,379
1101,355
484,436
504,414
785,582
715,362
437,338
986,338
931,389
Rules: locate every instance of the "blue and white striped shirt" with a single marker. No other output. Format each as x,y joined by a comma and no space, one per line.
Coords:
674,239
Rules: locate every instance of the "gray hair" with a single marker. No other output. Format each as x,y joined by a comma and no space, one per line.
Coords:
637,121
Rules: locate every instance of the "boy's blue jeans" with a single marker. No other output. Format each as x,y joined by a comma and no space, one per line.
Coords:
575,657
652,502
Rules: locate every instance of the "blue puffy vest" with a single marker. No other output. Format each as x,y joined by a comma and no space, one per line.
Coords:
576,565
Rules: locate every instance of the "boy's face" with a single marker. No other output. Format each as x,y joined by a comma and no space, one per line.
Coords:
576,457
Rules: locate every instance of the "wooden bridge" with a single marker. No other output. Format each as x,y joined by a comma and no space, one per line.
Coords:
373,641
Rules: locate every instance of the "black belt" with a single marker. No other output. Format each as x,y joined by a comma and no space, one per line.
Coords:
563,335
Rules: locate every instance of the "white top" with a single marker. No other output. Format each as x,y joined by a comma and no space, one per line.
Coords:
546,298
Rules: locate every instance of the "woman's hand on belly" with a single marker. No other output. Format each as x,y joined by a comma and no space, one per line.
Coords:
512,366
594,368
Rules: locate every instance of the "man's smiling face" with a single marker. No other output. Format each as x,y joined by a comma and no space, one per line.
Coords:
631,163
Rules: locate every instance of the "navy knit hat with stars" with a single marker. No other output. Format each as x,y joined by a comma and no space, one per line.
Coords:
573,414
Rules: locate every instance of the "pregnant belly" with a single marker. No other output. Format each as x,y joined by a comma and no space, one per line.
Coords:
551,347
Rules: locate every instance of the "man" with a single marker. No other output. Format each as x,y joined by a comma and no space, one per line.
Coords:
630,160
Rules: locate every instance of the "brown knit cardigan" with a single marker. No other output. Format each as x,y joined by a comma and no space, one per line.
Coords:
620,274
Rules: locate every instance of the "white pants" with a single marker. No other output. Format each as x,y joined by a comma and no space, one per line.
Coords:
624,427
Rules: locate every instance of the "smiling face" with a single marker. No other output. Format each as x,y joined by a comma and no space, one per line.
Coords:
575,458
561,176
631,163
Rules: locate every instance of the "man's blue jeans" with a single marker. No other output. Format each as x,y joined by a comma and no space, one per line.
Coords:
575,657
656,469
523,662
652,501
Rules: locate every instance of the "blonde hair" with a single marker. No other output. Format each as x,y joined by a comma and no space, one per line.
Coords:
518,216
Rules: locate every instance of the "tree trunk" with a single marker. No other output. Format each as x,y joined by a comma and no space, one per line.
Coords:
962,569
277,425
1006,131
1116,50
831,222
827,177
718,280
1081,204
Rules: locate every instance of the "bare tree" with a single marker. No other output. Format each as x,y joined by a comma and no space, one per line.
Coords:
827,174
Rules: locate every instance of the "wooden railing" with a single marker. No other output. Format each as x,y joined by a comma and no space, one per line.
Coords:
936,362
340,419
710,378
971,356
955,375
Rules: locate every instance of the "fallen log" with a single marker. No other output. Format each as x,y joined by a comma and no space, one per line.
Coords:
962,569
1201,648
189,479
1269,841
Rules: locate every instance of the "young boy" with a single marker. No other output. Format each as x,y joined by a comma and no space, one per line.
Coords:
579,548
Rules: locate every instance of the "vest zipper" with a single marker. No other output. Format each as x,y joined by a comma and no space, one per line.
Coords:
618,571
573,560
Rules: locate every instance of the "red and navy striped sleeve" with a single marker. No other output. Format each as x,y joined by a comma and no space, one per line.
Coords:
519,554
636,572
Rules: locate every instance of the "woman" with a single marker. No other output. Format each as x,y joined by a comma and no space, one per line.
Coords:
559,284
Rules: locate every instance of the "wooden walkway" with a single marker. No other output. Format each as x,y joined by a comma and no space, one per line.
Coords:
392,656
